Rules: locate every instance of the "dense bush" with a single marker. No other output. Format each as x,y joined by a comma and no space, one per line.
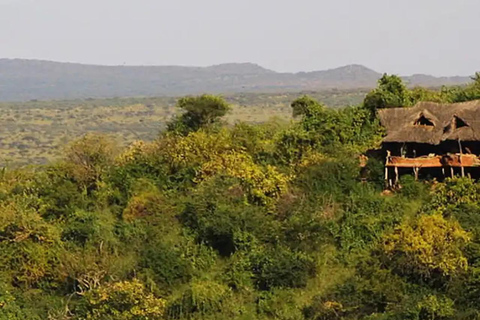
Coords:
279,267
268,221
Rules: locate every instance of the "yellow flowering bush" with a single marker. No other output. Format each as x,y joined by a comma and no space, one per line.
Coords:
138,149
310,158
210,154
263,184
430,245
196,148
437,307
126,300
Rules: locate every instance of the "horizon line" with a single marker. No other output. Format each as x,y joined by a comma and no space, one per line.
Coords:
227,63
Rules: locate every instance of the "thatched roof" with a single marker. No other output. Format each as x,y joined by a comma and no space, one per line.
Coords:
432,123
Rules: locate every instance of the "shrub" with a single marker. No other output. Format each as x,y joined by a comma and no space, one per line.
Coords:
167,264
366,216
127,300
218,215
434,307
83,227
201,298
281,268
89,158
454,192
27,244
431,246
412,189
335,177
375,172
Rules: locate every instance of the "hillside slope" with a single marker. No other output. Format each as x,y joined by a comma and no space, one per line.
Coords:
22,80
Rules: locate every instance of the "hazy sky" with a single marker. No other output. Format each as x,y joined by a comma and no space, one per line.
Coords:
439,37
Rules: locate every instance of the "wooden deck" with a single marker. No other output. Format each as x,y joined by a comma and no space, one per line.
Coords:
423,162
450,160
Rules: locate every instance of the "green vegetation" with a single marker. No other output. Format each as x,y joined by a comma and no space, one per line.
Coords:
35,132
198,112
392,92
242,221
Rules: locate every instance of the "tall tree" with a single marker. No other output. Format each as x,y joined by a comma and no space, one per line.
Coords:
304,106
201,111
391,92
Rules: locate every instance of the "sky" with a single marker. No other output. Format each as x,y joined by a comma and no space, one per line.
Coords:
438,37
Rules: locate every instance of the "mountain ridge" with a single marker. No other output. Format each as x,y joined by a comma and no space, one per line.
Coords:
23,79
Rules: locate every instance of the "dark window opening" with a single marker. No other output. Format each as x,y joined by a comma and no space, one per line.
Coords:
423,121
459,123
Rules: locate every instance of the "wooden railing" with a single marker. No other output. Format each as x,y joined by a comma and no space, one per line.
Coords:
450,161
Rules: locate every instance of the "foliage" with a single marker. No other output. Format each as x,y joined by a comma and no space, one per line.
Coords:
454,192
304,106
281,268
431,246
413,189
351,128
432,307
390,93
422,94
199,112
166,264
468,93
28,243
89,158
250,221
127,300
202,298
263,185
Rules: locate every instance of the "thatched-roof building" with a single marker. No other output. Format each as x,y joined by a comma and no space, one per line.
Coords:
432,135
432,123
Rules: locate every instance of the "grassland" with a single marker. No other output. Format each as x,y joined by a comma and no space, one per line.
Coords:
32,132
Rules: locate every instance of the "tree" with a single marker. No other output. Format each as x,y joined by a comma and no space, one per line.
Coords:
423,94
201,111
89,157
305,105
351,127
391,92
466,93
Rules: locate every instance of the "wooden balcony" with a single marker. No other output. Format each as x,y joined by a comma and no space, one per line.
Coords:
449,160
421,162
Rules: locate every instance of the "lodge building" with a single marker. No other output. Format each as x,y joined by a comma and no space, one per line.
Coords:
439,139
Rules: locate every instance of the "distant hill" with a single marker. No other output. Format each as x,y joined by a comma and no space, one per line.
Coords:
22,80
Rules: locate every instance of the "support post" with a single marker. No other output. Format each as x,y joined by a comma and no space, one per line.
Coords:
461,153
451,172
396,175
387,182
386,176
